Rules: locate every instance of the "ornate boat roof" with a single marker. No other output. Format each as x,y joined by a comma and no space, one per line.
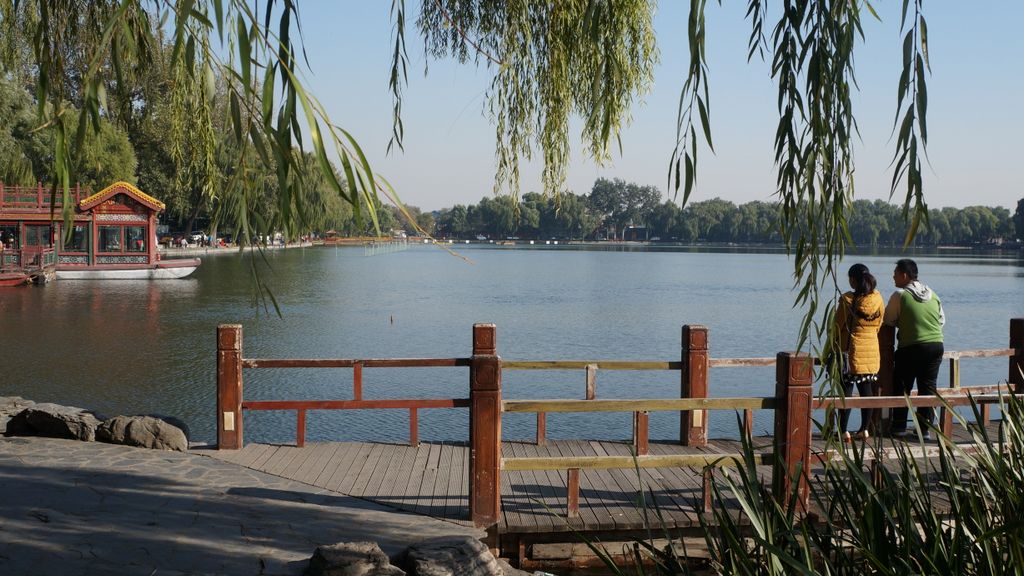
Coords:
121,188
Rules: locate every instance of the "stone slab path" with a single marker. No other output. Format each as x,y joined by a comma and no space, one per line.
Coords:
69,507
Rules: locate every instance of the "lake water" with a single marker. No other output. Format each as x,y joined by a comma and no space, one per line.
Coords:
123,347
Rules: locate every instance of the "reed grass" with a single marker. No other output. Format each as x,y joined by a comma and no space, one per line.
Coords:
959,511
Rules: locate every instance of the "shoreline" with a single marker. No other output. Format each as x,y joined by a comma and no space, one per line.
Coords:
191,252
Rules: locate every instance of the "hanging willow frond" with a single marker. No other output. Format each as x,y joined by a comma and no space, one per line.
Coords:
912,106
694,99
591,58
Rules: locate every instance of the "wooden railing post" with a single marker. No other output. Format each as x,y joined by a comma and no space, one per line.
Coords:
591,375
693,379
794,373
484,428
884,387
1016,377
641,432
946,414
229,386
572,498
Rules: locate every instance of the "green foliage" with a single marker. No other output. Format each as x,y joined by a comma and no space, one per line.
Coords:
872,224
566,216
550,60
74,53
21,149
1018,219
620,204
104,157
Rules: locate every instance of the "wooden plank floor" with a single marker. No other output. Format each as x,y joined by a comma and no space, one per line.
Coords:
432,480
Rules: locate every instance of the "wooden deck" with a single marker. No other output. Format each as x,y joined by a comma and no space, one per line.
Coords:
432,480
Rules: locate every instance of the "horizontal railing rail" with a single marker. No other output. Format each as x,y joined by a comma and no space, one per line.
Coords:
645,405
356,404
301,406
352,363
941,399
611,462
628,364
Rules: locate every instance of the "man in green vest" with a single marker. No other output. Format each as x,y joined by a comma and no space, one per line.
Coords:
916,311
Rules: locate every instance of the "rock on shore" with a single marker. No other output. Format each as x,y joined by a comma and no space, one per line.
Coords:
142,431
21,417
447,556
9,406
54,421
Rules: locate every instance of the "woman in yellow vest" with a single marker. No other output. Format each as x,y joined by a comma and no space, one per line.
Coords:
858,320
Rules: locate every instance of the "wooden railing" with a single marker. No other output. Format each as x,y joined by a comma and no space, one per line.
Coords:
27,258
230,402
793,404
693,367
32,198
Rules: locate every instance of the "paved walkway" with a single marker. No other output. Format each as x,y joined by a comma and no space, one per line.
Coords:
69,507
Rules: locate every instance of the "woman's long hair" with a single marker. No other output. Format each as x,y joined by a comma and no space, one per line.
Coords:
862,280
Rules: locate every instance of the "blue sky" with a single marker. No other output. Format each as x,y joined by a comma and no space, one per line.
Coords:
975,120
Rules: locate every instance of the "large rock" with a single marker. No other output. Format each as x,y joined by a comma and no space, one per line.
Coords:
142,431
451,556
54,421
175,421
351,559
9,406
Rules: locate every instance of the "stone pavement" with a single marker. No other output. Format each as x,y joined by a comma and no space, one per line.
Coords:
70,507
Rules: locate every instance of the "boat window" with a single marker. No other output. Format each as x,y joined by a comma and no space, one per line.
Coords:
110,238
37,235
136,236
79,240
9,236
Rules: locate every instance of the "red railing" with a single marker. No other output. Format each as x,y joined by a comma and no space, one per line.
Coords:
231,335
27,258
33,199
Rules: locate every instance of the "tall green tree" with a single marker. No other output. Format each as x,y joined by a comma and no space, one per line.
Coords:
106,156
1018,219
23,150
620,203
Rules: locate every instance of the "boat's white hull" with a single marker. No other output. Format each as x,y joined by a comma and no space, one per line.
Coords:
164,270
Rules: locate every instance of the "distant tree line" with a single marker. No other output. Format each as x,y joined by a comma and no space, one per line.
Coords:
615,209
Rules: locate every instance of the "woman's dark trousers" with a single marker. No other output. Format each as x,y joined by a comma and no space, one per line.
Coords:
866,389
